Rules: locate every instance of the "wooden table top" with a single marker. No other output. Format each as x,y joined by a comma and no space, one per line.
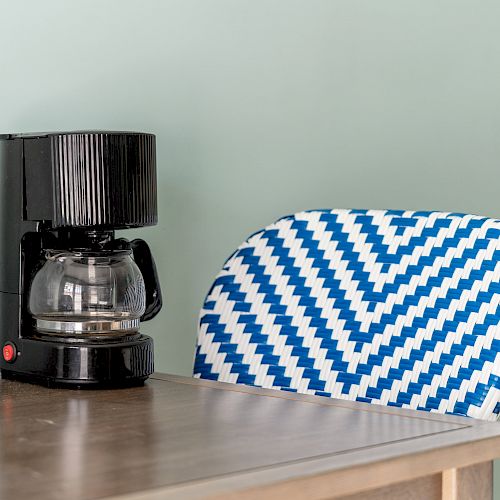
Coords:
178,437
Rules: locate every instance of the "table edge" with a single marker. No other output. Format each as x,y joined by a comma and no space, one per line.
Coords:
320,400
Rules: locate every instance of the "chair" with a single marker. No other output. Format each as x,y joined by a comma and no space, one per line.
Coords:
389,307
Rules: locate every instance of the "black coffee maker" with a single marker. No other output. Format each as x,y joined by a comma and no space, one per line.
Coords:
72,295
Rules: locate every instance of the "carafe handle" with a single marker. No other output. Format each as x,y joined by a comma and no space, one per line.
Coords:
146,264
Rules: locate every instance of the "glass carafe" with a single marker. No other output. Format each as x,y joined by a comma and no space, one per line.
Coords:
88,294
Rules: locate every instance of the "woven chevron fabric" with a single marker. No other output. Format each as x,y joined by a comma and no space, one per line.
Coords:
389,307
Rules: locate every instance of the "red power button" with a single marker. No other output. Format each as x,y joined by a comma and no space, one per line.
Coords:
9,352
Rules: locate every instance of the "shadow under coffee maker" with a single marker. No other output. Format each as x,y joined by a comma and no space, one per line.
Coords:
72,295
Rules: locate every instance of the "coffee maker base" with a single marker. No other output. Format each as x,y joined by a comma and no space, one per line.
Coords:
99,365
54,383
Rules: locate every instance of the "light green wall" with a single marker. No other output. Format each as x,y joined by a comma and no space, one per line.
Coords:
265,107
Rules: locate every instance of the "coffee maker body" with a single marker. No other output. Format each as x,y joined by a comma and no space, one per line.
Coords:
72,294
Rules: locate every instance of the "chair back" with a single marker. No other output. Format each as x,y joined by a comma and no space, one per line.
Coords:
390,307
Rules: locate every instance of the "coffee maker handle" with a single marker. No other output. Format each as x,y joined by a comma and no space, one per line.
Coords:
146,264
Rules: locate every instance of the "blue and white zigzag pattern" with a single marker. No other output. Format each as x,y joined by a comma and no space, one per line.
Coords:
391,307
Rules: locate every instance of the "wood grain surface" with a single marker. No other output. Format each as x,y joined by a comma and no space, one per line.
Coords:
475,482
423,488
179,437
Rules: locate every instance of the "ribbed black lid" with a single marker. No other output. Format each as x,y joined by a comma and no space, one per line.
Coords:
104,179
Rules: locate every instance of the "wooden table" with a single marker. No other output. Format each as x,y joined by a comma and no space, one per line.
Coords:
178,437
